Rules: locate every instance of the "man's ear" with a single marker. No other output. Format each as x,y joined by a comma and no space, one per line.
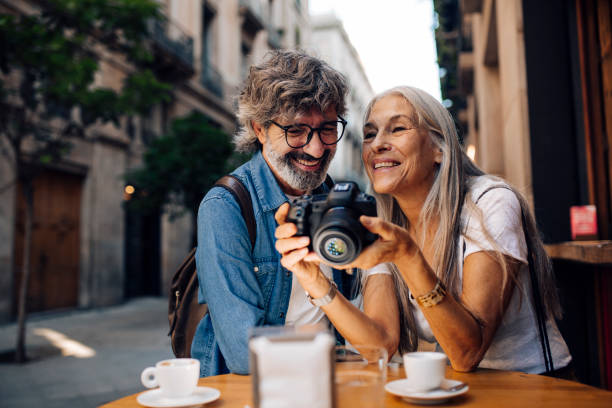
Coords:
259,132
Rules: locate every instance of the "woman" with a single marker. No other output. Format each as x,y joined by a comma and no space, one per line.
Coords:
456,240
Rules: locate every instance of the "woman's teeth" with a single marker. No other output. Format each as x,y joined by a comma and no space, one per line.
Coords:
385,164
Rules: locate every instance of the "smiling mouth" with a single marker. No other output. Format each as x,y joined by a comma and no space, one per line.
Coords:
386,164
307,163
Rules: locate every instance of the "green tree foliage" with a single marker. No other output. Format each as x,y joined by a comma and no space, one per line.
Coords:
55,59
48,94
180,166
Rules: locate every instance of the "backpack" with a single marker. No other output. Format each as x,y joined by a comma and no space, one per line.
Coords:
184,311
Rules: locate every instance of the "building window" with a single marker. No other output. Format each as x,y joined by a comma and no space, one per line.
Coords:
211,79
208,15
245,59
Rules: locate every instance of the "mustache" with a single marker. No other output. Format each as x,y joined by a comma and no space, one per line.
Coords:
306,156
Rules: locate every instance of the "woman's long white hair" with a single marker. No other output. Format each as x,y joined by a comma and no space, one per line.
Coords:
444,203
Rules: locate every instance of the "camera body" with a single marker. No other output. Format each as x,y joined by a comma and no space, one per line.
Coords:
332,222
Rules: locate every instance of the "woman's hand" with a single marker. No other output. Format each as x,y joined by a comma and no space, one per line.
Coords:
294,251
393,243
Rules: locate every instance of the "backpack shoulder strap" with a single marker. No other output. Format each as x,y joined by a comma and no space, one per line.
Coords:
234,185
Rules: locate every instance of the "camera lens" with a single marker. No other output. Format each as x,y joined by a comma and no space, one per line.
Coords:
336,245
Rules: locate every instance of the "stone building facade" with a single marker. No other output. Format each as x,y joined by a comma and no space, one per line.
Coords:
533,91
206,46
331,42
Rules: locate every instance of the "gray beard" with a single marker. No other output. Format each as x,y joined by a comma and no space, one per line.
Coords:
297,178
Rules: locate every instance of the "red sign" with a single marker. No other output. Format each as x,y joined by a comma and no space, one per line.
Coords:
583,219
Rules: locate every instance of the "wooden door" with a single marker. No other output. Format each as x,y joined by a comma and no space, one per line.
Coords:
54,259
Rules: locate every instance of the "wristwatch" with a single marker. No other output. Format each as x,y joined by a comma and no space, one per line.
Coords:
327,299
434,297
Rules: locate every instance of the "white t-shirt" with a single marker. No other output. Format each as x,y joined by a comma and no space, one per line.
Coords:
516,344
301,311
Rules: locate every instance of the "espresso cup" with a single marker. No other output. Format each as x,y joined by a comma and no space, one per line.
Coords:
177,377
424,370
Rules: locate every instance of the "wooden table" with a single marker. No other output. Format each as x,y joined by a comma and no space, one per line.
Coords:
488,388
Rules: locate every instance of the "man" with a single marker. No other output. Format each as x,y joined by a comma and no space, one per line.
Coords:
290,112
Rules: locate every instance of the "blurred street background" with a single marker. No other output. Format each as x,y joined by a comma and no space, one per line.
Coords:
85,358
117,116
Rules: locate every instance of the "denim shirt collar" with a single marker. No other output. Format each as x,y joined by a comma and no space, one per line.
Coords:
268,190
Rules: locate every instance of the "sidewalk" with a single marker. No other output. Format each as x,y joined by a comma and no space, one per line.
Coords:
107,350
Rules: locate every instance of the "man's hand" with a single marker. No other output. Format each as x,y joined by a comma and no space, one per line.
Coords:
294,250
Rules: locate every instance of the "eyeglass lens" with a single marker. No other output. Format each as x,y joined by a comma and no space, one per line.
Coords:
299,135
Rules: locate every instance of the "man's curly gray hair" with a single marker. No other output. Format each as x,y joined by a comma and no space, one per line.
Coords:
288,82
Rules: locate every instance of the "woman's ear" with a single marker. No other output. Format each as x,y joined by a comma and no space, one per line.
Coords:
438,154
259,132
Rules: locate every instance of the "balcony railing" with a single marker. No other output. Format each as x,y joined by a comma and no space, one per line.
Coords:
211,79
174,42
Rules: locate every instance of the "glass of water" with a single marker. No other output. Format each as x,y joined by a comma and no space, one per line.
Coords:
359,376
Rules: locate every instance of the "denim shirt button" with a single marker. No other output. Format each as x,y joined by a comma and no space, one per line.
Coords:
288,273
281,315
256,268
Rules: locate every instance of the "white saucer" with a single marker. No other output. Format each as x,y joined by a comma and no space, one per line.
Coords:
201,395
400,388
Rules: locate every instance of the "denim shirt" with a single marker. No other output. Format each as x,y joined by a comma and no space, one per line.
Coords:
243,287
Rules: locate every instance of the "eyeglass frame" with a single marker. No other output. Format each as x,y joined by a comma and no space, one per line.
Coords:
285,128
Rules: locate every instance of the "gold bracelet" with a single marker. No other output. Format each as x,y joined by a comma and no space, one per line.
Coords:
434,297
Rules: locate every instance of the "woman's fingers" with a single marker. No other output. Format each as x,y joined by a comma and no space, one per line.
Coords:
386,230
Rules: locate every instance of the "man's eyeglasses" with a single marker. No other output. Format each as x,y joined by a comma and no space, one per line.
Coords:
300,134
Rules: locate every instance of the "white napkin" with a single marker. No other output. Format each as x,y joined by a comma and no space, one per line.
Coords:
294,373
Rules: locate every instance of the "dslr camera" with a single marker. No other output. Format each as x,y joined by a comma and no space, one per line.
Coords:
332,222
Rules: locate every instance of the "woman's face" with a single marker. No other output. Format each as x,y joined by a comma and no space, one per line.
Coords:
399,157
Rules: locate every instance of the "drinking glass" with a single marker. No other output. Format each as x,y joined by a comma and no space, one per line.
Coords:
360,376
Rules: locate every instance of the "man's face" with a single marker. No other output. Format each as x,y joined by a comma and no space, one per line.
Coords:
298,169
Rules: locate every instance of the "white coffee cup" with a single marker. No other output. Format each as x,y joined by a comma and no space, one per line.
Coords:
177,377
425,370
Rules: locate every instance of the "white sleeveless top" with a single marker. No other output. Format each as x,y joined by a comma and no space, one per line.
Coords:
516,344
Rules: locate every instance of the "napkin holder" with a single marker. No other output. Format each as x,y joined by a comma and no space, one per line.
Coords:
292,367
